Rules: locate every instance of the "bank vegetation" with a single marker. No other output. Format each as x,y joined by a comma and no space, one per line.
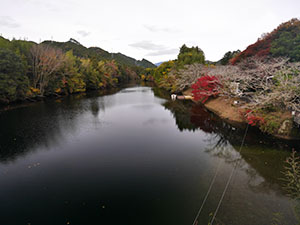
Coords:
31,71
262,82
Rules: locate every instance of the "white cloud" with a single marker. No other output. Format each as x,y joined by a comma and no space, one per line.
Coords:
154,49
147,45
141,29
6,21
83,33
164,52
153,28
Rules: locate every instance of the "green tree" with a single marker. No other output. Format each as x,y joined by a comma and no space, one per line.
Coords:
227,56
4,43
288,45
14,84
92,76
189,56
72,80
162,71
183,49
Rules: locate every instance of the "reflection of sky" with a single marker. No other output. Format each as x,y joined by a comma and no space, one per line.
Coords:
128,145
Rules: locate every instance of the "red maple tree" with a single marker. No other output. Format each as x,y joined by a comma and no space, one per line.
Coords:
206,87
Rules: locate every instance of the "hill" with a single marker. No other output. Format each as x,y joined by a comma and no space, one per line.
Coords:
159,63
98,53
31,71
283,41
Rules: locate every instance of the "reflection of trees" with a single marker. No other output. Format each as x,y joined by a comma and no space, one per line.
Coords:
95,108
292,181
44,123
181,115
262,163
179,109
186,117
23,128
259,158
192,116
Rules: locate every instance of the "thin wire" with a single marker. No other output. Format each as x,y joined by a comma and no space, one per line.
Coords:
207,193
229,179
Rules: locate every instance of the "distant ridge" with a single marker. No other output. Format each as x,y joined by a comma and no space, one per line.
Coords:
159,63
100,54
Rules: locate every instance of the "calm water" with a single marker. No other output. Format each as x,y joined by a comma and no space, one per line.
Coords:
133,157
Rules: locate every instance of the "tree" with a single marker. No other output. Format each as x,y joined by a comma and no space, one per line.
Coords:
110,71
46,61
189,56
13,82
4,43
91,75
229,55
183,49
205,87
72,80
288,45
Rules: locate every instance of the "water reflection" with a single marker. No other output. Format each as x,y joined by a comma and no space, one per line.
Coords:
261,159
136,155
46,123
192,117
224,140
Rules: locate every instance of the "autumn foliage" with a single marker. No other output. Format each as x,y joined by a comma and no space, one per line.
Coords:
281,42
252,119
206,87
30,71
261,48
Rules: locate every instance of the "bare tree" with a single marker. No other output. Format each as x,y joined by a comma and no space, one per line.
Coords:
260,81
46,61
272,82
189,75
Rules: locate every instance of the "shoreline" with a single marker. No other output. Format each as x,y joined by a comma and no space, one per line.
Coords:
224,108
27,102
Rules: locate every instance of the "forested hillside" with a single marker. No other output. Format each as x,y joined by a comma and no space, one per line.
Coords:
98,53
166,75
263,80
284,41
29,70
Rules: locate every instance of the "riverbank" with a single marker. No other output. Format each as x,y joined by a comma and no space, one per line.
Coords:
100,92
227,110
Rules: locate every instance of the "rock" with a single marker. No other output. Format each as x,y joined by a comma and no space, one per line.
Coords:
285,127
297,119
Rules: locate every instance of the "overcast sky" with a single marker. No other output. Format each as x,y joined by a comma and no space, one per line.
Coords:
153,29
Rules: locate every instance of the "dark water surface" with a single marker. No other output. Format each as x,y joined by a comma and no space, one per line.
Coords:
134,158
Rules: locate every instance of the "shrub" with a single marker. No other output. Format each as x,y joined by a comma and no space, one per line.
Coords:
254,120
205,87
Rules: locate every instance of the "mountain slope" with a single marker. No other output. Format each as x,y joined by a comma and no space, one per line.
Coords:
98,53
283,41
159,63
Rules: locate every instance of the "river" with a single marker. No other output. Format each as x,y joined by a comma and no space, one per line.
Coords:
134,157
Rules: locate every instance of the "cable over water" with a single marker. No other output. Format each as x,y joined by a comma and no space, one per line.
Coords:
225,189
